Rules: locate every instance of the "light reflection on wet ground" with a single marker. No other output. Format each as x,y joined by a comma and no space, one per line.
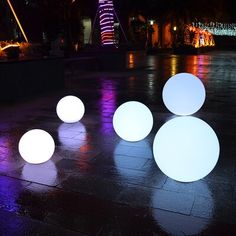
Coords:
97,184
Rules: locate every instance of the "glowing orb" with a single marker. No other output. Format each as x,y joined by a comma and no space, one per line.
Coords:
183,94
70,109
132,121
186,149
36,146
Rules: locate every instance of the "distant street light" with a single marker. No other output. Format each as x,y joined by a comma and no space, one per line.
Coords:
151,22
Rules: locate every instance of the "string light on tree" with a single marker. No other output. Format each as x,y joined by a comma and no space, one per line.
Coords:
106,16
217,28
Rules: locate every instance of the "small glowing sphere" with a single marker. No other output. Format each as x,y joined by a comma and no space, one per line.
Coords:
186,149
70,109
132,121
36,146
183,94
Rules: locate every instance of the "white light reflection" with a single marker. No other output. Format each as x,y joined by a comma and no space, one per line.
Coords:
43,174
72,135
151,62
129,157
186,149
151,85
181,224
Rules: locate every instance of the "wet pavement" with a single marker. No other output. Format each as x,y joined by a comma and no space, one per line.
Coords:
98,184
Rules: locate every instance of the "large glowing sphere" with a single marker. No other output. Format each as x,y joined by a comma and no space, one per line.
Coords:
183,94
132,121
186,149
36,146
70,109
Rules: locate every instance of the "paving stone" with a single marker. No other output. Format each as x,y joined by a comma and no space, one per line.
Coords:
98,184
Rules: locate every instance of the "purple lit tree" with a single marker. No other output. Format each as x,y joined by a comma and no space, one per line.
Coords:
106,17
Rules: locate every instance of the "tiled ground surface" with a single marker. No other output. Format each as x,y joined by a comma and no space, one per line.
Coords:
97,184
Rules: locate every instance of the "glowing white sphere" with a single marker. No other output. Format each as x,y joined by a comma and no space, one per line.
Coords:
36,146
186,149
70,109
183,94
132,121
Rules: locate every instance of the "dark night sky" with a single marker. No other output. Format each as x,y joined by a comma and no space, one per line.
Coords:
223,9
31,16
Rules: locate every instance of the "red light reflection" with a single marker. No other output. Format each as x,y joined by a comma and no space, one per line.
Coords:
198,65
